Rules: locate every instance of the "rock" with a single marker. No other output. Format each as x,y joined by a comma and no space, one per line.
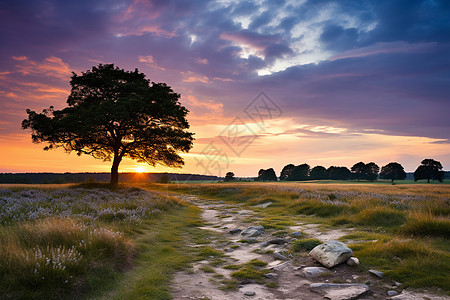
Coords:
253,231
228,250
247,281
277,241
376,273
263,205
234,231
271,275
249,293
296,234
331,253
397,283
392,293
339,291
220,202
312,271
264,244
353,261
251,241
282,266
410,295
279,256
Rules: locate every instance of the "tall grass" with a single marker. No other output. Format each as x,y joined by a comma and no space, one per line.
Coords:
57,243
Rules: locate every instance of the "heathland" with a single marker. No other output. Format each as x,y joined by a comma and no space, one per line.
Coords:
88,241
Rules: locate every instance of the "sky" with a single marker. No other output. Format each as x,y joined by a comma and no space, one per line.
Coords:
267,83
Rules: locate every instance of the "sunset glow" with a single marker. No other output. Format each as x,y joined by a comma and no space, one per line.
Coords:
342,82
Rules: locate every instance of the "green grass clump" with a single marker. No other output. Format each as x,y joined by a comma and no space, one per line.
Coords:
257,263
249,273
207,269
411,262
318,208
305,244
426,224
207,252
380,216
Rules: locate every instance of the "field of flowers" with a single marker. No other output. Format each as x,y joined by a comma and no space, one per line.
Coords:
54,241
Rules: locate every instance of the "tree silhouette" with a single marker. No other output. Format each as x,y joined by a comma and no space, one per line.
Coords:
266,175
338,173
318,173
287,170
300,172
113,114
393,171
429,169
359,170
372,171
229,176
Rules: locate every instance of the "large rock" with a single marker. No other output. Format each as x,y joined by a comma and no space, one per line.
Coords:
253,231
339,291
331,253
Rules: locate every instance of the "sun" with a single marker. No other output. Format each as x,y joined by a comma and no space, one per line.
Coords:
140,169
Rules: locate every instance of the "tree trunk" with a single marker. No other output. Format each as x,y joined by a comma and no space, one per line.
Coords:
115,170
428,180
392,180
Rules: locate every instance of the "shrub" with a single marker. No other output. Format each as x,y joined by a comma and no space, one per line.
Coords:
305,244
380,216
426,224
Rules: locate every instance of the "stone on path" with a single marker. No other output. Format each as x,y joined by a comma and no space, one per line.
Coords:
234,231
410,295
331,253
353,261
249,293
277,241
376,273
312,271
339,291
392,293
271,275
253,231
263,205
296,234
279,256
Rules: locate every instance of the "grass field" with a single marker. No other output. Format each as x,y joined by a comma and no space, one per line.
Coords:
402,229
61,242
93,242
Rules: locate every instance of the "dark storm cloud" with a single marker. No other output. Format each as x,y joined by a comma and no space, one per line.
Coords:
388,66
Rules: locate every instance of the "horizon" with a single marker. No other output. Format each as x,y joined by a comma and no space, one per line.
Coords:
323,83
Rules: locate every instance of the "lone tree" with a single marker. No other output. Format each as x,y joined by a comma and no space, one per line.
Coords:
229,176
429,169
112,114
393,171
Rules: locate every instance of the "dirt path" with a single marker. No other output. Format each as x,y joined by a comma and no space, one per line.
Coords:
206,280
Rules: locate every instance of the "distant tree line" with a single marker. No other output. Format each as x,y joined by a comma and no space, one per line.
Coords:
429,169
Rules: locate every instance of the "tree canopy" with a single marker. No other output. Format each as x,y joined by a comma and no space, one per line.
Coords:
229,176
266,175
318,173
365,171
393,171
429,169
113,114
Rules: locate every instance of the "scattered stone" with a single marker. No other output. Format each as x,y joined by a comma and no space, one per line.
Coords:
312,271
220,202
339,291
397,283
392,293
253,231
263,205
296,234
376,273
348,280
264,244
249,293
277,241
282,266
228,250
353,261
331,253
410,295
279,256
234,231
271,275
355,277
247,281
